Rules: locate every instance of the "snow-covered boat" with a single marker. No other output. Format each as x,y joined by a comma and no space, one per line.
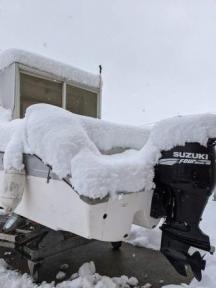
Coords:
64,174
72,187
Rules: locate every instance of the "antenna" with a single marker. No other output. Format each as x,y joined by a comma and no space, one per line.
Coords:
100,69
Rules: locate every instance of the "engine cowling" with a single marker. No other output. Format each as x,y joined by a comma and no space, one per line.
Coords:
185,179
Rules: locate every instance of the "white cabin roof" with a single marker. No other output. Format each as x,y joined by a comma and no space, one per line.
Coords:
41,63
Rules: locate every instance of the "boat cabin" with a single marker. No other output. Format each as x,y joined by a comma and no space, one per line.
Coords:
27,78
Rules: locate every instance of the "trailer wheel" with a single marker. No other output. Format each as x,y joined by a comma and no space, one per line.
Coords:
116,245
34,270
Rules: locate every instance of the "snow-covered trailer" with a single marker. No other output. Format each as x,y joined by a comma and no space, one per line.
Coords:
27,78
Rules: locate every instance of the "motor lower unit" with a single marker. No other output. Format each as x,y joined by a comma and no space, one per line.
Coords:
184,179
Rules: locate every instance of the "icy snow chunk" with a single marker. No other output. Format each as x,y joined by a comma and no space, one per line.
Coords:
105,282
147,285
74,276
60,275
132,281
142,237
7,253
87,269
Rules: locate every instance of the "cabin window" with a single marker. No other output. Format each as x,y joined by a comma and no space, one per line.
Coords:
81,101
37,90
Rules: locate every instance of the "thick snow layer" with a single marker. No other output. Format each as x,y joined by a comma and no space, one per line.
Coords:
56,136
75,145
71,144
180,129
42,63
134,172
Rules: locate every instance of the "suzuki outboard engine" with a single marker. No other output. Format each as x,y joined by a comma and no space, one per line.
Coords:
184,178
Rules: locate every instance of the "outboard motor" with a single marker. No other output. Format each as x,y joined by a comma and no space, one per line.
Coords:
184,178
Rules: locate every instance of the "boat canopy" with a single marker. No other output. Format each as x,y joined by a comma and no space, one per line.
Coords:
27,78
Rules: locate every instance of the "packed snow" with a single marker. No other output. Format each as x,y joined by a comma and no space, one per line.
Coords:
79,147
42,63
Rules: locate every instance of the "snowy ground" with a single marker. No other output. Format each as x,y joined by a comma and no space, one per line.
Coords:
87,277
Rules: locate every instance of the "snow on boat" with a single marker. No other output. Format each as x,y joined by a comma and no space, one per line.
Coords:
50,197
71,186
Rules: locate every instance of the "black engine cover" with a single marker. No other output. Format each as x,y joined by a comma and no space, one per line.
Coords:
184,178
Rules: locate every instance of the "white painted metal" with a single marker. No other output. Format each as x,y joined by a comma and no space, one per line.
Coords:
57,206
7,87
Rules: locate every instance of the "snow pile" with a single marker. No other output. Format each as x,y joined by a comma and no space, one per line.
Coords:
71,144
180,129
56,136
85,278
142,237
42,63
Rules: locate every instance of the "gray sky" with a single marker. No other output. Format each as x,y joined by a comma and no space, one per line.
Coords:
158,55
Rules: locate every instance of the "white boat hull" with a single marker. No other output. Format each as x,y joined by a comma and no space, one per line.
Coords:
57,206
